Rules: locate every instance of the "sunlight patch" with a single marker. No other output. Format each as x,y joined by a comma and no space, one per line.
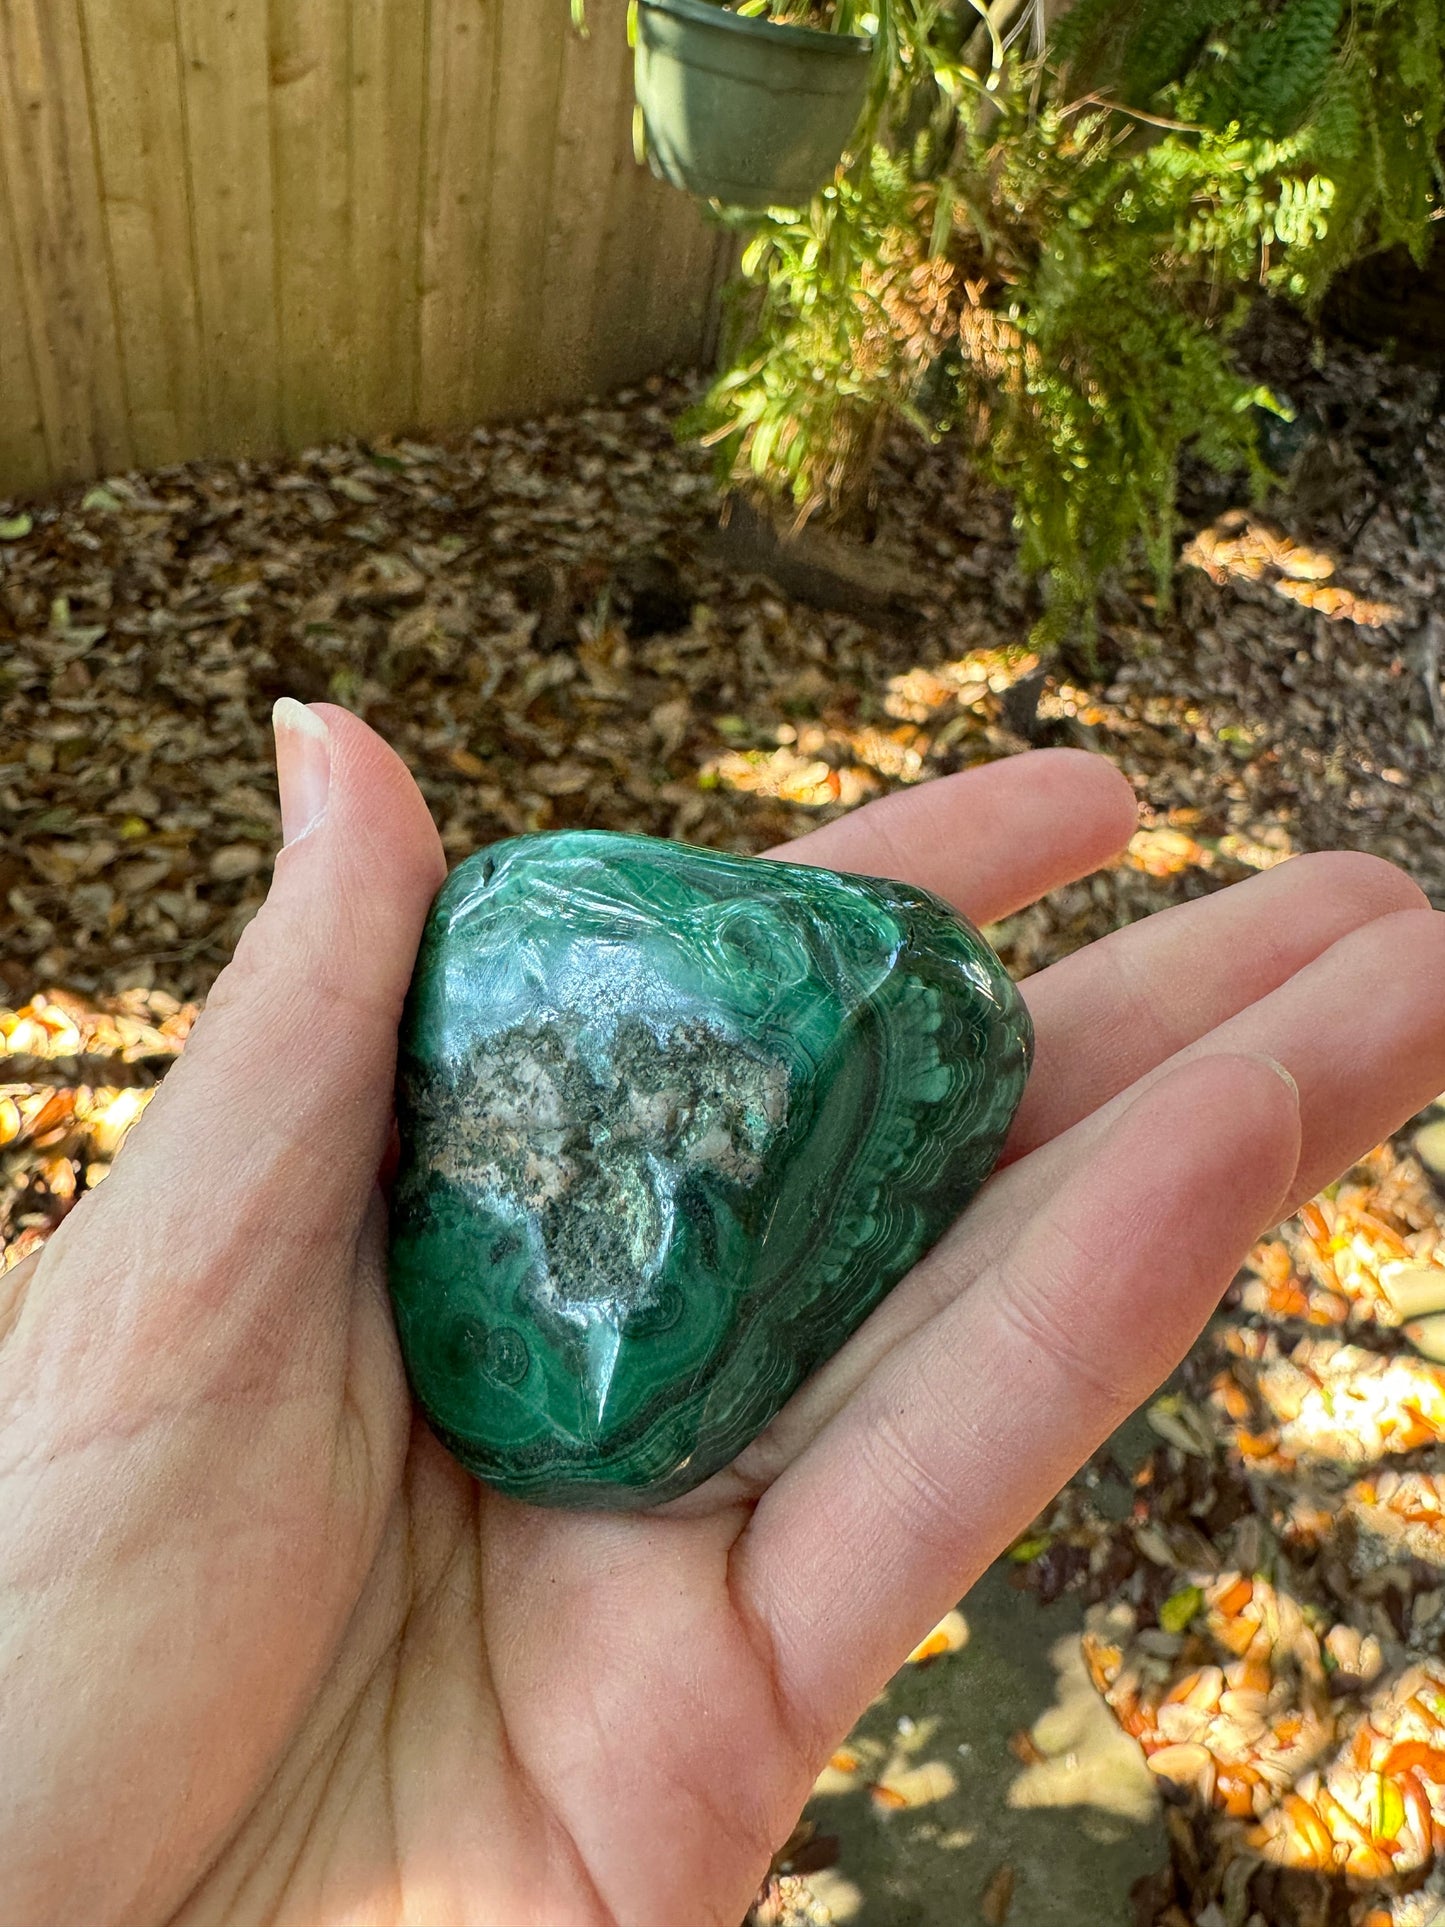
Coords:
1237,548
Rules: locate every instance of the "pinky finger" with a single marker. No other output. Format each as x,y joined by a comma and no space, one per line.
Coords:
967,1430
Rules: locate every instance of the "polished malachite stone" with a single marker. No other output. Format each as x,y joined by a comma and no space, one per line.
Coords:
672,1124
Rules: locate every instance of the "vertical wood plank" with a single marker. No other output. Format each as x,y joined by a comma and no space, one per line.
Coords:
59,236
624,241
135,87
225,69
698,268
641,284
677,275
25,461
594,113
310,78
461,79
512,345
388,116
226,225
727,253
682,283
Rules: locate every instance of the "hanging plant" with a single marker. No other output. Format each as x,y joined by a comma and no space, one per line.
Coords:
752,106
1050,255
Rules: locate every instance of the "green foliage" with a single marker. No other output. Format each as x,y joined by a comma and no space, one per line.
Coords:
1280,66
1181,1609
809,386
1105,385
1053,257
1340,103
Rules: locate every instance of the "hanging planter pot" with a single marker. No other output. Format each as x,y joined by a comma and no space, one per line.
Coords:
744,110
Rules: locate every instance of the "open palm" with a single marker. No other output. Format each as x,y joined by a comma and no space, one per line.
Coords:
267,1655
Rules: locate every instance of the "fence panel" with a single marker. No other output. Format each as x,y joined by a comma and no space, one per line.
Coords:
229,230
62,280
134,76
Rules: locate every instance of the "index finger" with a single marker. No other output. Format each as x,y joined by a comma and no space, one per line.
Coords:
989,840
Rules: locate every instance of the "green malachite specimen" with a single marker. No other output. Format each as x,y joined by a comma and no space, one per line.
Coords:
672,1124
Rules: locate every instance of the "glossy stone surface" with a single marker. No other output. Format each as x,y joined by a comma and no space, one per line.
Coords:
672,1124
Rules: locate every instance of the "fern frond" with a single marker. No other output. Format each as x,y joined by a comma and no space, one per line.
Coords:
1091,39
1164,43
1281,67
1062,284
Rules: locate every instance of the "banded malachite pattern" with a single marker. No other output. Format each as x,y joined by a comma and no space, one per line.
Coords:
672,1124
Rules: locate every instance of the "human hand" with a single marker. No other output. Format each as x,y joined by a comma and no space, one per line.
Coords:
267,1654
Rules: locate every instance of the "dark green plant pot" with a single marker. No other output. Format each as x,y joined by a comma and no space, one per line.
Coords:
745,111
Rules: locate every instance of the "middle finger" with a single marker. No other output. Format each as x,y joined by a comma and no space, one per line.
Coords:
1116,1009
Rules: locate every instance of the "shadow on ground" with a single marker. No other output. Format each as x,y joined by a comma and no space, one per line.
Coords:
992,1784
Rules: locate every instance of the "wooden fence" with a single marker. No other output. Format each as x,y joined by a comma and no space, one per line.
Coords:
233,226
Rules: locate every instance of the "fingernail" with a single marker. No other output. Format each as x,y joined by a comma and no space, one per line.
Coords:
303,767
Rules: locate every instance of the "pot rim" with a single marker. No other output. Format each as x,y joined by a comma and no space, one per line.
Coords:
707,13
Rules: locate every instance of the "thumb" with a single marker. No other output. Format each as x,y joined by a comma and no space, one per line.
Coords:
201,1433
270,1130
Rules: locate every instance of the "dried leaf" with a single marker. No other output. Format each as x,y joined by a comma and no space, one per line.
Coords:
234,861
996,1902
